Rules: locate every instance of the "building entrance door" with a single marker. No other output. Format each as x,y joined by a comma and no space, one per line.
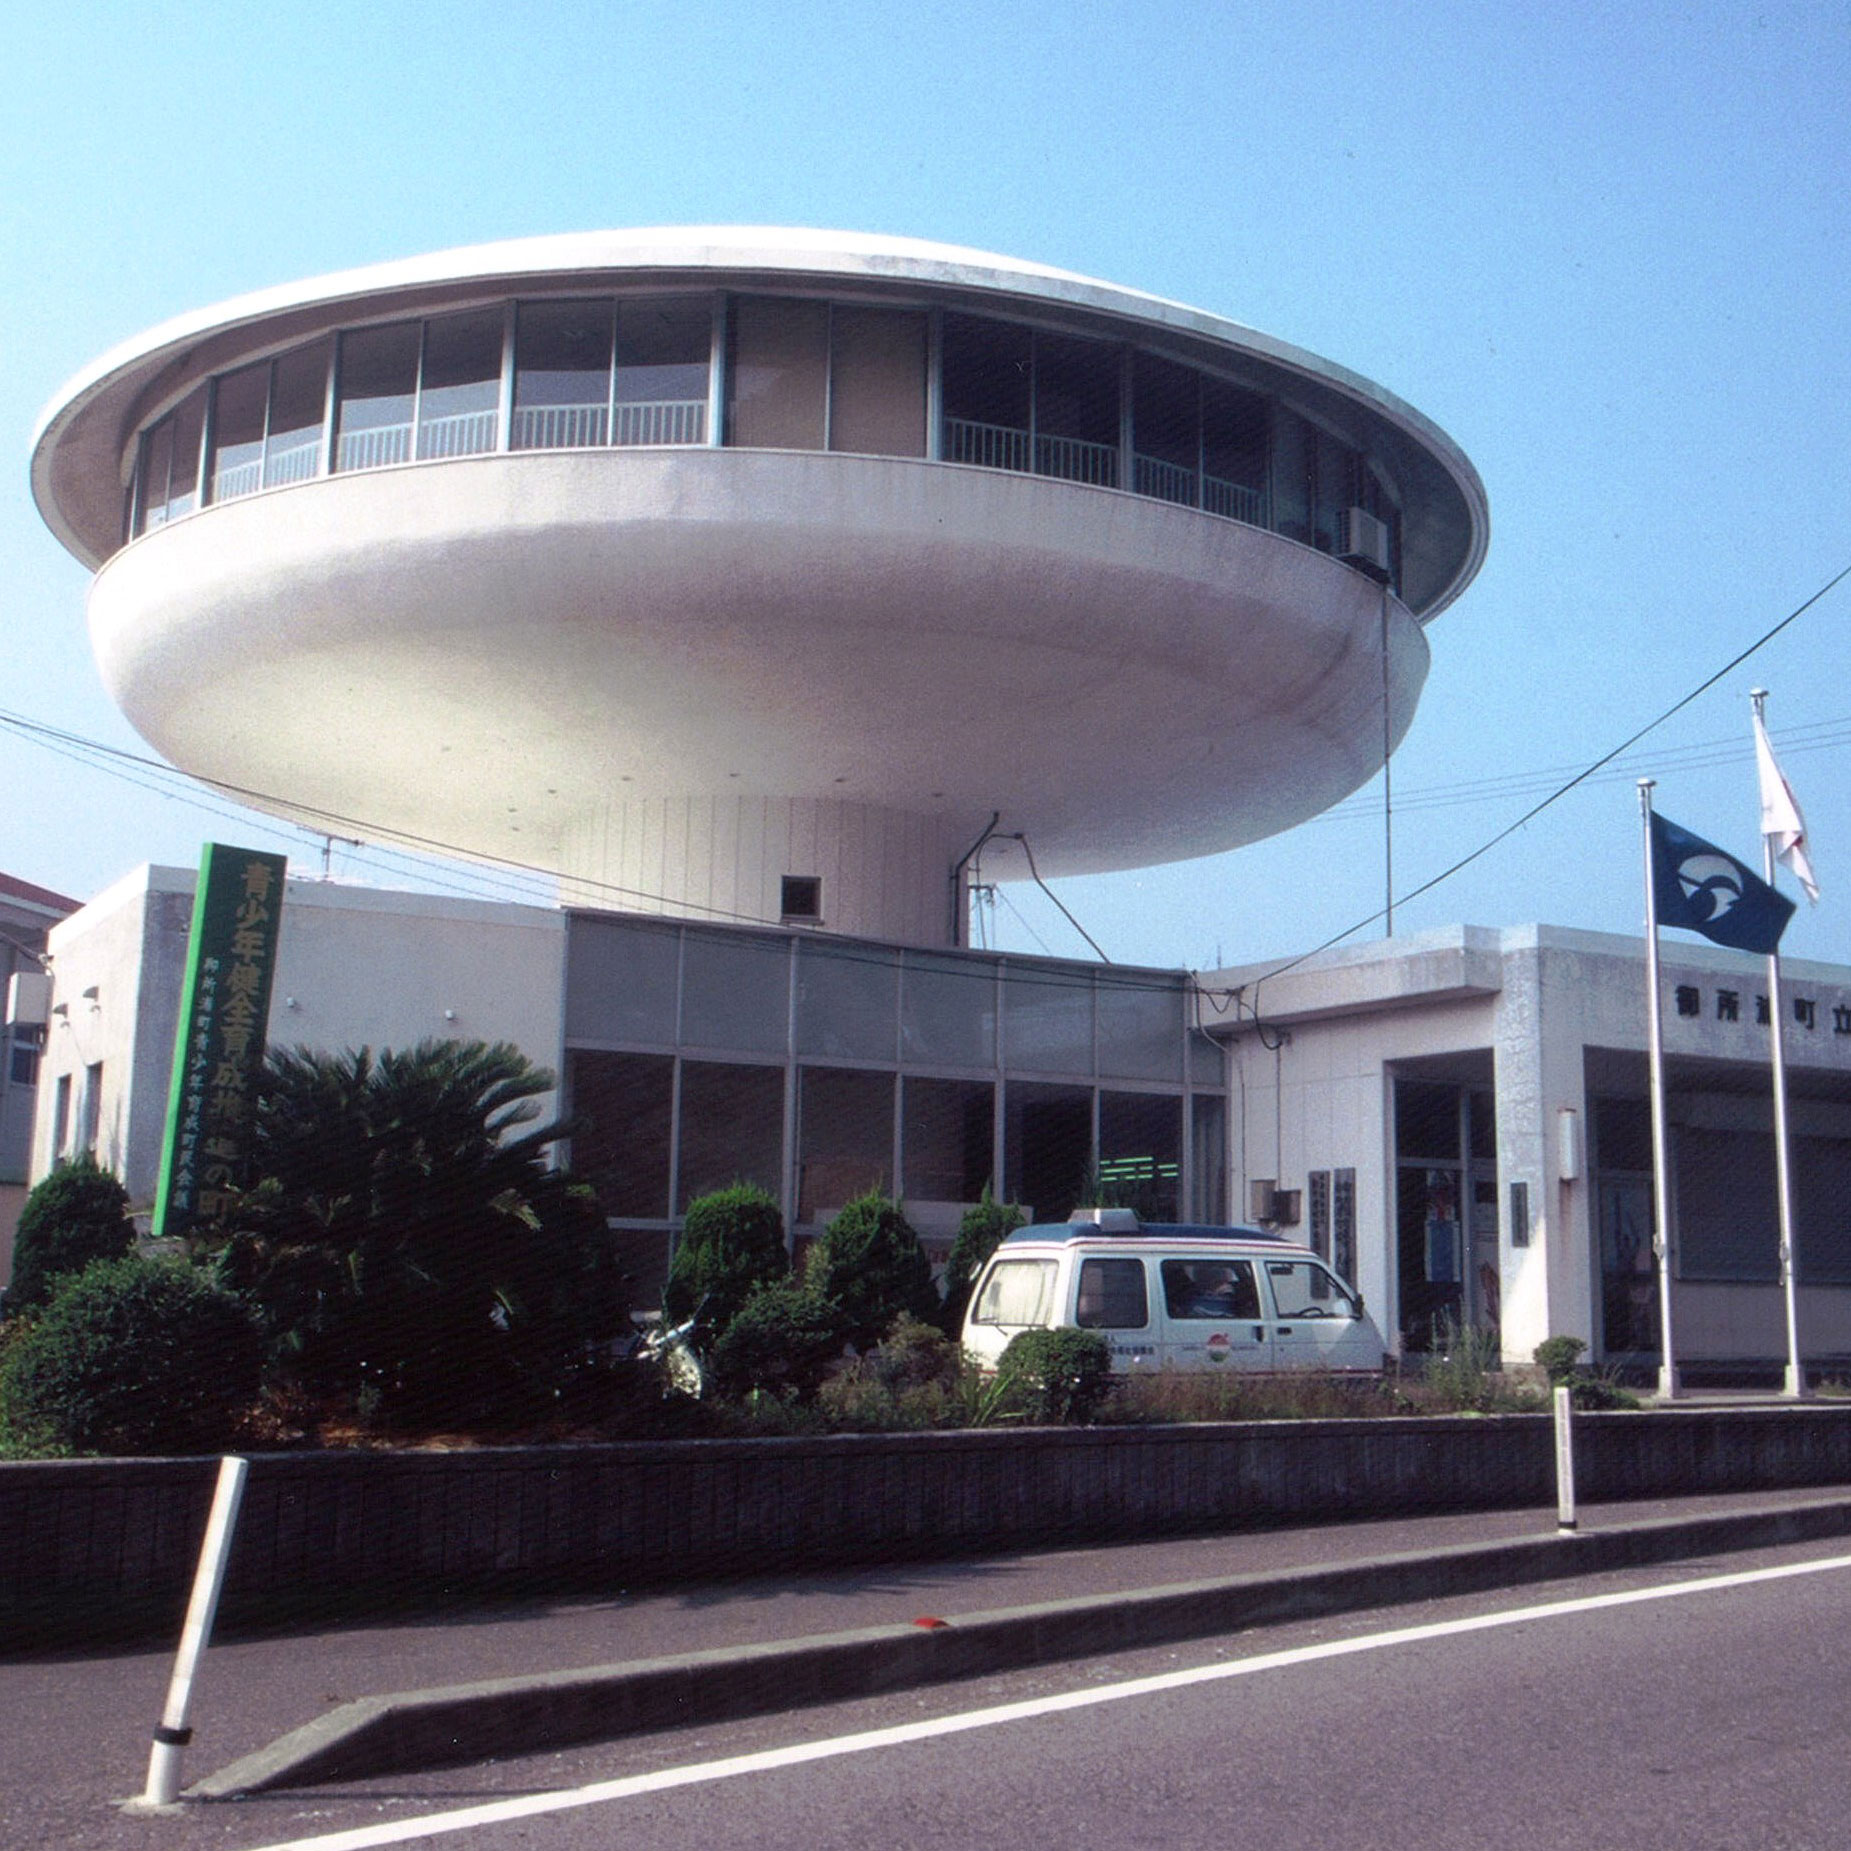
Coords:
1628,1269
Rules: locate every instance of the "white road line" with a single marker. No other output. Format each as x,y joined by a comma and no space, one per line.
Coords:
528,1806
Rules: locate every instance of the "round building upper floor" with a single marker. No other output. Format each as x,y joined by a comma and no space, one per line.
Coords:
758,340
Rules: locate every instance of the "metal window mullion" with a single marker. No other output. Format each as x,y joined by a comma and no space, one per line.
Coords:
1201,441
610,384
674,1143
828,376
792,1179
1034,397
935,385
1127,459
208,438
331,409
504,398
716,374
417,390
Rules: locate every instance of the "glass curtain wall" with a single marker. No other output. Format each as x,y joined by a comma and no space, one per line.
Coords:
803,373
824,1068
459,397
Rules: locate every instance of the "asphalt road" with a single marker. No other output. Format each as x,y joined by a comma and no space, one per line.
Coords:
1717,1716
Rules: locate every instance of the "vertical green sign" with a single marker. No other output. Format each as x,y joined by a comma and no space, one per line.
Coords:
219,1043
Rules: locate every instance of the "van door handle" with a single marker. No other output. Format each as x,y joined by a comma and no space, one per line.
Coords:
1285,1330
1259,1333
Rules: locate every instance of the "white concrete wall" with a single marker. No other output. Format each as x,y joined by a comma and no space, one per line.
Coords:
1537,999
355,967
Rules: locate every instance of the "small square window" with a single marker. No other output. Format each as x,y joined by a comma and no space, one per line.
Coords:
801,900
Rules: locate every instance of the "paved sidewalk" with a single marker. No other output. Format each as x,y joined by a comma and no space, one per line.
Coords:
255,1689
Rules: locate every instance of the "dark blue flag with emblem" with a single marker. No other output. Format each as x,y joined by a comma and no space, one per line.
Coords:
1698,888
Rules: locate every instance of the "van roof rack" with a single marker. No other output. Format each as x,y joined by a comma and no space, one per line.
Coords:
1091,1224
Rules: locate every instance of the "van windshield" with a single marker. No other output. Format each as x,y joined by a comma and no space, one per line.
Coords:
1303,1289
1016,1292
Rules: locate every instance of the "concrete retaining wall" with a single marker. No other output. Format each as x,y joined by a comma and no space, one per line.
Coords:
106,1547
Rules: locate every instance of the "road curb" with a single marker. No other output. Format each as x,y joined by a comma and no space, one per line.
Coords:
418,1729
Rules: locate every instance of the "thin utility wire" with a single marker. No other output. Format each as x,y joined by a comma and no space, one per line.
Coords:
1580,777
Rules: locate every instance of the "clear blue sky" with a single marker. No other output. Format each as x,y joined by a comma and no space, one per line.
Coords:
1606,248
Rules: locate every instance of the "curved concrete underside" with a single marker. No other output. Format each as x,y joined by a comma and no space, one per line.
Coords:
491,653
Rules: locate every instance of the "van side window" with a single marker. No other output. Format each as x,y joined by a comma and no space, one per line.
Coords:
1303,1289
1016,1292
1223,1289
1111,1296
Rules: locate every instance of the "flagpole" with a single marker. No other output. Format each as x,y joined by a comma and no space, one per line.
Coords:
1661,1166
1795,1384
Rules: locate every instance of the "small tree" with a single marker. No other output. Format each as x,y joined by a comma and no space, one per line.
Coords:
131,1356
870,1263
980,1232
783,1340
731,1240
1064,1374
79,1213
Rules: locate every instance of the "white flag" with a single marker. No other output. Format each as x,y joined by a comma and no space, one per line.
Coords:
1781,821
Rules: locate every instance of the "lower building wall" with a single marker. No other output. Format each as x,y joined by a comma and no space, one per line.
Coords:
100,1546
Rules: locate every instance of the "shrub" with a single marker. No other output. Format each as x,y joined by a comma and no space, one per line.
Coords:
1063,1374
870,1264
915,1377
731,1241
782,1341
77,1214
980,1233
1557,1357
131,1356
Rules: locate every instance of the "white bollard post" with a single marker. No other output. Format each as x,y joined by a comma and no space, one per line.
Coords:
1564,1460
172,1735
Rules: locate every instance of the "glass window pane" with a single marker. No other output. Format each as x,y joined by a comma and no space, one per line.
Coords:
1304,1289
844,1138
1236,427
779,374
847,1001
1016,1292
1219,1291
1207,1060
238,416
736,994
1047,1148
1140,1029
157,461
1111,1296
1141,1152
621,981
1076,409
1293,446
1209,1153
877,391
1426,1120
946,1139
664,350
379,375
988,367
732,1128
1336,485
298,410
189,427
1166,428
948,1011
461,394
1047,1022
562,375
620,1142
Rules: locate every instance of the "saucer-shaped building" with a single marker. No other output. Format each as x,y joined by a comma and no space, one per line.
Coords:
758,574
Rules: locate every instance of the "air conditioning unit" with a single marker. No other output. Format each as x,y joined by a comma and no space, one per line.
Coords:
28,999
1260,1192
1362,540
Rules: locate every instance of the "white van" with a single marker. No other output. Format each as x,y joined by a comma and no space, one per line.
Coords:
1172,1295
